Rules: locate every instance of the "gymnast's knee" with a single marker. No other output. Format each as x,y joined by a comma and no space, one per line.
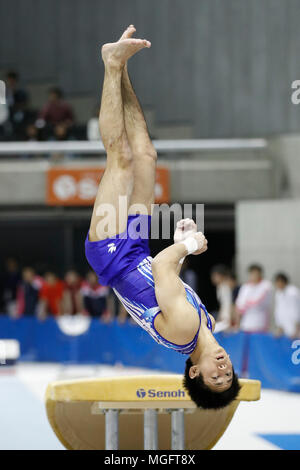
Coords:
147,152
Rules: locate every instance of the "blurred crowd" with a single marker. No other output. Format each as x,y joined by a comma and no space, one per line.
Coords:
255,306
55,121
258,305
25,293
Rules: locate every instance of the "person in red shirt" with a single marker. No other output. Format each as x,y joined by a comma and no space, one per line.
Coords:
57,114
51,295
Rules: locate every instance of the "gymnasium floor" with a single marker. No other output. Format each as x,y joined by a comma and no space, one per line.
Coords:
271,423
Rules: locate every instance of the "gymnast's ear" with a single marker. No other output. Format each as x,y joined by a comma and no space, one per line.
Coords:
194,371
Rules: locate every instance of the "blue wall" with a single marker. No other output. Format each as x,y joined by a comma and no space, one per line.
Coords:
261,357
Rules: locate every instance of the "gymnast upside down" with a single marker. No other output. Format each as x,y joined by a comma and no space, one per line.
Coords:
150,289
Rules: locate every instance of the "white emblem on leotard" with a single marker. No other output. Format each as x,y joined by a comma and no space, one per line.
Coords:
111,248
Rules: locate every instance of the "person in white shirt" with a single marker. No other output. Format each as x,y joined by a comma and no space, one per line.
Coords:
254,302
287,307
220,279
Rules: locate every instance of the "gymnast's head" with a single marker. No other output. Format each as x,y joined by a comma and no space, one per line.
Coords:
211,382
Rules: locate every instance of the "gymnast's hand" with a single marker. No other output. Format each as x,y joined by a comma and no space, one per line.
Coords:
202,243
184,229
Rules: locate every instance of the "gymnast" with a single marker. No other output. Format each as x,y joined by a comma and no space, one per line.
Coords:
150,289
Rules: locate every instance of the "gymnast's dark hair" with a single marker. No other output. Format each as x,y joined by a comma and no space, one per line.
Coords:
203,396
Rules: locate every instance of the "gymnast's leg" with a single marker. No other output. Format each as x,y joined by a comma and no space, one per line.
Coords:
118,176
143,152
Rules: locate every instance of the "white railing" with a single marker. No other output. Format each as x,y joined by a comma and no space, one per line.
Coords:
96,147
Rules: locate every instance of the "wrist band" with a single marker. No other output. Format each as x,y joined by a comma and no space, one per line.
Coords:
191,245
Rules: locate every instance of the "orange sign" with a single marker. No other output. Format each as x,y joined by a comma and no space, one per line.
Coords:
79,186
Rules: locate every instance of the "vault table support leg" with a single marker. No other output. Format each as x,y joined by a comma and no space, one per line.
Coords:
177,429
150,430
111,429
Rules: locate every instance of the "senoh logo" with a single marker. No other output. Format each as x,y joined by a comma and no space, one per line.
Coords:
152,393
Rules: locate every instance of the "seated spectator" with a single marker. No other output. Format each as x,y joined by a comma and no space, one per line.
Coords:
28,293
51,296
10,280
32,133
287,307
61,132
21,117
72,301
254,302
220,279
94,296
55,112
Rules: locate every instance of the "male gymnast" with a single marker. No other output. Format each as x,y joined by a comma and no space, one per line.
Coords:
150,289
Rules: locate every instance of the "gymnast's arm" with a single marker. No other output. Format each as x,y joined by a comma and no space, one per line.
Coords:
169,289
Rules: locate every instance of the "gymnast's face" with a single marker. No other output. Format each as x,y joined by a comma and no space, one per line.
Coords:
216,370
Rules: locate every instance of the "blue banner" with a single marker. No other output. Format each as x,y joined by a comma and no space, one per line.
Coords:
274,361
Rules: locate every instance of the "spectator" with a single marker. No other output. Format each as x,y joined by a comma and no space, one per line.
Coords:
287,307
115,308
123,314
21,118
55,112
32,133
220,279
61,132
188,275
11,280
94,296
14,94
72,301
254,302
234,286
20,114
28,293
51,296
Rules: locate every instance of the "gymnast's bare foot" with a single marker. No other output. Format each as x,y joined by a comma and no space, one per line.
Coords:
116,54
